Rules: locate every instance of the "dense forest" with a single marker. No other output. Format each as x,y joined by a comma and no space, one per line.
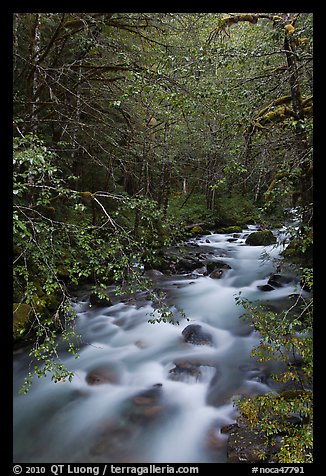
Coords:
135,131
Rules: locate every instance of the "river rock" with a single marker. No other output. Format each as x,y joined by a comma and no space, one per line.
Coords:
246,445
183,370
201,271
255,374
153,273
279,280
213,265
141,344
214,440
188,263
145,406
266,287
194,334
100,301
261,238
102,375
216,274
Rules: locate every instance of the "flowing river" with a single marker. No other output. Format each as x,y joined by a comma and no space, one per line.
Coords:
144,393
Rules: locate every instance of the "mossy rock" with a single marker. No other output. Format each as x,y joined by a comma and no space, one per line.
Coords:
261,238
197,230
21,313
294,253
229,229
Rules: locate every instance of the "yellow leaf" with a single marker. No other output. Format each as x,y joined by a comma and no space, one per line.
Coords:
289,28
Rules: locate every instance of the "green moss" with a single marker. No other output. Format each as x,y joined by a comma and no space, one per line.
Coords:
229,229
197,230
261,238
249,220
21,313
299,255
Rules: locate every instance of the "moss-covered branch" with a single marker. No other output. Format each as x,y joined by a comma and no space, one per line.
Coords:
231,20
272,114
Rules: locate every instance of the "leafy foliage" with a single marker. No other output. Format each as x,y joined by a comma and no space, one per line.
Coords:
52,255
284,337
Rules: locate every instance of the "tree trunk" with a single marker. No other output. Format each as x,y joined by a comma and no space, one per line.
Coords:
165,182
301,136
35,54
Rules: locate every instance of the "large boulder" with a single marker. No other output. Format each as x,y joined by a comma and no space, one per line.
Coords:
261,238
194,334
188,264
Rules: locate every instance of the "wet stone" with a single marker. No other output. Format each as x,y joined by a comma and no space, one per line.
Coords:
214,440
194,334
279,280
146,406
184,370
266,287
246,446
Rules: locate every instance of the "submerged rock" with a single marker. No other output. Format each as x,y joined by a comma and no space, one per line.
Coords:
184,370
215,440
102,375
146,406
